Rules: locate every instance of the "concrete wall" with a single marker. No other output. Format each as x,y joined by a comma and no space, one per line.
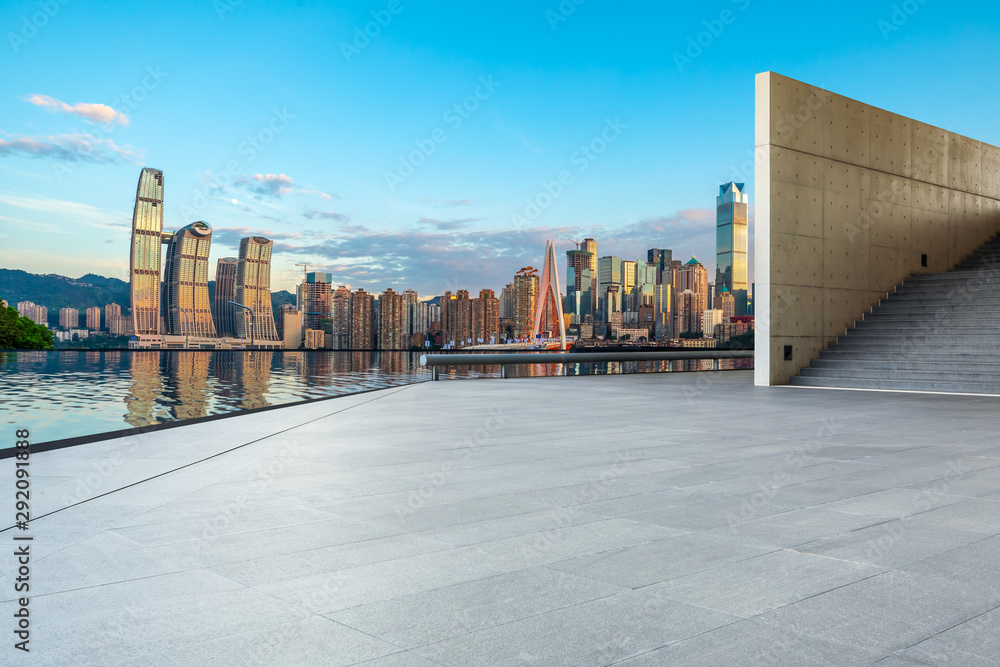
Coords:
848,197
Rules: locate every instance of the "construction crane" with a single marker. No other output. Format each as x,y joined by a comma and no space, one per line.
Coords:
305,270
576,242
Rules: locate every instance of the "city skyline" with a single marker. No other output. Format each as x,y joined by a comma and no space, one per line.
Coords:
645,110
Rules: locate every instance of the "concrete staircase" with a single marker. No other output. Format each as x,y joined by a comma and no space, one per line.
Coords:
937,332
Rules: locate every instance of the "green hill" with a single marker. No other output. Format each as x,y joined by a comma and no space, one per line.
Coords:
55,292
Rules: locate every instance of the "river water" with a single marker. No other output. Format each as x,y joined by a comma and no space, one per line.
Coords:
65,394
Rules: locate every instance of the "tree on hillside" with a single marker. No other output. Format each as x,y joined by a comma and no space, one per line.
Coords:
744,341
20,333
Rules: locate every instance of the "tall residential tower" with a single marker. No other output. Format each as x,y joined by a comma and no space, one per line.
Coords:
186,281
144,262
225,291
253,289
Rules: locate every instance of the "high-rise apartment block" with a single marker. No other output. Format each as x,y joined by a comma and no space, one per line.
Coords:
342,318
279,318
291,328
525,294
69,318
392,324
507,300
709,318
485,317
316,299
111,311
687,317
694,277
94,318
731,232
186,281
314,339
725,302
362,320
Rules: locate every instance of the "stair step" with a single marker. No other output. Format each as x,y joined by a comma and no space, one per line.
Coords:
932,332
951,275
901,375
959,325
899,365
842,383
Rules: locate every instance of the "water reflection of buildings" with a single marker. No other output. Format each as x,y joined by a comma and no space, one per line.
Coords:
318,367
146,389
187,385
254,369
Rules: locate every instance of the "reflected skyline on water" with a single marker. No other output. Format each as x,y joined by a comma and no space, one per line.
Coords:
70,393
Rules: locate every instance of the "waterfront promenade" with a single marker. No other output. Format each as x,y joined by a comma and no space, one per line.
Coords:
651,519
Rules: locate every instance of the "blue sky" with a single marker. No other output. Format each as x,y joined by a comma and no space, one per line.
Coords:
408,157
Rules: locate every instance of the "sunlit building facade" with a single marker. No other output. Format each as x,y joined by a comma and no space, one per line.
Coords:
185,280
225,291
362,320
69,318
144,261
525,295
342,318
94,318
731,229
609,272
253,289
391,325
317,299
485,317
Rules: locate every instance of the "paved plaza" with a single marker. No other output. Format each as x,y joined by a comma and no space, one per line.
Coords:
653,519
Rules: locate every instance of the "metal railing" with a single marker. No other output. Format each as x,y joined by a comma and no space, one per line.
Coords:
504,360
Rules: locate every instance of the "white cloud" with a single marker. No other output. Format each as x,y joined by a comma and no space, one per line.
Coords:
94,113
69,148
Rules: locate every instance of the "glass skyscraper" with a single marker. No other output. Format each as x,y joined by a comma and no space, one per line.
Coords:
253,289
731,225
186,281
144,262
609,272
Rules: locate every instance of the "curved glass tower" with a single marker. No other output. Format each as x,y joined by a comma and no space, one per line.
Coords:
225,291
186,281
253,289
144,262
